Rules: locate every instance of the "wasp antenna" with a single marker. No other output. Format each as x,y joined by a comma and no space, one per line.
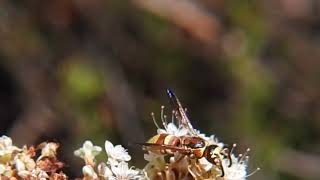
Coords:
170,93
227,152
173,98
154,120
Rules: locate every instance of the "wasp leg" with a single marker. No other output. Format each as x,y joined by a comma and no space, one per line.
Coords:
228,153
217,162
193,173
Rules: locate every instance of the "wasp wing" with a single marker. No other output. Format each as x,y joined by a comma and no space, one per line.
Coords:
154,146
180,113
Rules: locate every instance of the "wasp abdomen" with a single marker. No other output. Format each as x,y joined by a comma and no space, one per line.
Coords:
166,140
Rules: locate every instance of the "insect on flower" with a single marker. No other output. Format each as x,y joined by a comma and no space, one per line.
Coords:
190,144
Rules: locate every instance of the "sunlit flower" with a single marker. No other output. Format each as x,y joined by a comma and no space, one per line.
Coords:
49,150
5,170
105,171
2,168
123,172
237,170
5,142
116,153
88,171
6,148
174,130
24,164
88,152
155,161
39,174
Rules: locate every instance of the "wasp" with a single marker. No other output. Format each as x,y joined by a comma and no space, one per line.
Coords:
189,144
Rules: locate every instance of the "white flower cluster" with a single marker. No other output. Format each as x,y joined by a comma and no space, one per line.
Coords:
158,164
116,166
19,162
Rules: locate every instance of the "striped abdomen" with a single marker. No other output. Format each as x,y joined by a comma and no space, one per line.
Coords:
167,140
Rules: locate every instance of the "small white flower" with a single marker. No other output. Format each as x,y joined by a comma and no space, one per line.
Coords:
105,172
123,172
116,153
39,174
88,171
5,142
49,150
5,170
24,164
237,170
24,174
150,156
20,166
6,148
88,152
174,130
2,168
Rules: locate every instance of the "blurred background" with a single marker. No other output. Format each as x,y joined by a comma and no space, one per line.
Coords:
248,72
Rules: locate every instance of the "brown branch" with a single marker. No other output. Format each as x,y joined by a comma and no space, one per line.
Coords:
187,15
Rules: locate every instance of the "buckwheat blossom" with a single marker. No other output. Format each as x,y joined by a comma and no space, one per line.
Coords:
89,172
5,170
123,172
20,163
88,152
105,171
115,168
6,148
116,153
40,174
24,164
238,169
49,150
154,160
153,157
6,143
173,130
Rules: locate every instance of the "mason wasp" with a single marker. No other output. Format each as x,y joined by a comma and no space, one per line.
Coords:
190,144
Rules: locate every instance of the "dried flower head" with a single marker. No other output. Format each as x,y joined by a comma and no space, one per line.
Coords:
48,149
20,163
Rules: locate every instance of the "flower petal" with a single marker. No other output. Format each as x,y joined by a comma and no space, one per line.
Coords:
108,146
